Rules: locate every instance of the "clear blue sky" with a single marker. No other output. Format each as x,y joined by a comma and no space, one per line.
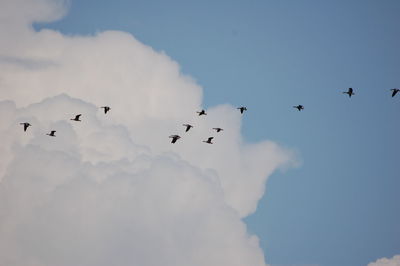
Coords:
342,205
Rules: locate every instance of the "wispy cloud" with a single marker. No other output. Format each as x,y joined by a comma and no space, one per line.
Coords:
394,261
27,63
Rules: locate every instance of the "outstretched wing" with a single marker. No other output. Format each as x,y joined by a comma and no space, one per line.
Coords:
187,127
174,138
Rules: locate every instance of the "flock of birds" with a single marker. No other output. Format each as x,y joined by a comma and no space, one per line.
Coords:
217,129
174,138
76,118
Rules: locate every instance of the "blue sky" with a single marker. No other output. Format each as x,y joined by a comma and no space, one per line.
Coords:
341,206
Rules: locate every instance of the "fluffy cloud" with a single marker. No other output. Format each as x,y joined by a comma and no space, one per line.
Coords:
112,189
395,261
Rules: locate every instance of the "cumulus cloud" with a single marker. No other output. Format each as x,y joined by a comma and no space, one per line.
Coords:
394,261
112,189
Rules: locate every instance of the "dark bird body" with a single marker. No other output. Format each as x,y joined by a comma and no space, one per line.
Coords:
202,112
218,129
349,92
26,125
77,118
209,140
299,107
242,109
52,133
174,138
106,109
395,91
188,127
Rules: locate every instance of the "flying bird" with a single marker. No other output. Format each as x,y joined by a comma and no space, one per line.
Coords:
218,129
188,127
349,92
395,91
26,125
106,109
209,140
202,112
174,138
76,118
299,107
52,133
242,109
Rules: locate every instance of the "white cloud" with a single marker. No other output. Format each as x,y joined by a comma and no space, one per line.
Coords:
395,261
112,189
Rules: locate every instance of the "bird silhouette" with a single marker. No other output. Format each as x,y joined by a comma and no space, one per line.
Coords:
174,138
202,112
106,109
209,140
242,109
52,133
188,127
299,107
218,129
26,125
76,118
395,91
349,92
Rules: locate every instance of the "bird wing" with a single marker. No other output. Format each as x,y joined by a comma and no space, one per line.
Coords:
52,132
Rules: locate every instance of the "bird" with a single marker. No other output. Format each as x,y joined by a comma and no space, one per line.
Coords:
76,118
174,138
395,91
26,125
209,140
218,129
188,127
242,109
349,92
299,107
106,109
202,112
52,133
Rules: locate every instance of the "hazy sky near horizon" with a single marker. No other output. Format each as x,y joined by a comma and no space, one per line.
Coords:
340,206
